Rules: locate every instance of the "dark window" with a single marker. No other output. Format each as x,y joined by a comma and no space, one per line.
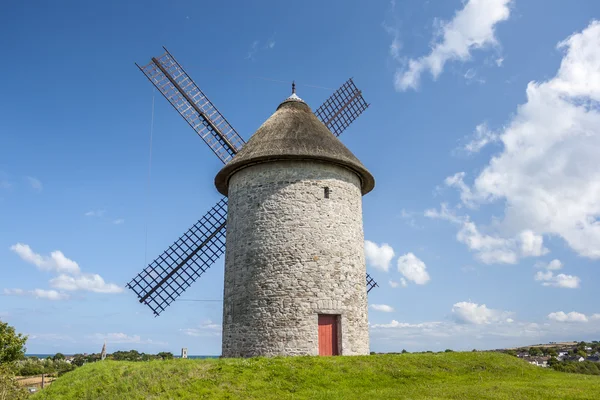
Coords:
327,191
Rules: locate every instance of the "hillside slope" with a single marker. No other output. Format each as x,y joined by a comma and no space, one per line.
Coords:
411,376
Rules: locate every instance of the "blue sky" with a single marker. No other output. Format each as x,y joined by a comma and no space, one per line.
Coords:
482,134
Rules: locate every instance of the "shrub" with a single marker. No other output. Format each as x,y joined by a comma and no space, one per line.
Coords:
9,387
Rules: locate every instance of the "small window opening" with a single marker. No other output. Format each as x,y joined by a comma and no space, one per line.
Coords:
326,192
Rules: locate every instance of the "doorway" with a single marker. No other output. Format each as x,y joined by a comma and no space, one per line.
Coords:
328,335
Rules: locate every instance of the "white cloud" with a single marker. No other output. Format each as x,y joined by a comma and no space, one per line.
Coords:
88,282
35,184
489,249
532,245
473,313
55,262
457,181
413,269
547,173
554,265
394,284
561,280
382,307
573,316
118,221
499,61
471,28
206,328
481,138
95,213
403,282
475,326
396,324
379,257
37,293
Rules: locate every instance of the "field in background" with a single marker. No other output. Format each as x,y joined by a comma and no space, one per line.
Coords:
473,375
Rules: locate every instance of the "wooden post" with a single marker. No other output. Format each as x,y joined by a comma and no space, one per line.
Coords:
43,376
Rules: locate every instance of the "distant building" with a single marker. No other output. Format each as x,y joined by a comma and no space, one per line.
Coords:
184,352
539,361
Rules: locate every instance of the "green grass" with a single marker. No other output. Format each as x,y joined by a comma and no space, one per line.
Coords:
406,376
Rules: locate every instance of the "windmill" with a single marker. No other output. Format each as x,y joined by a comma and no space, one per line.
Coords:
190,256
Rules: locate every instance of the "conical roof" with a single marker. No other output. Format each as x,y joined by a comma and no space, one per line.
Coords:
293,132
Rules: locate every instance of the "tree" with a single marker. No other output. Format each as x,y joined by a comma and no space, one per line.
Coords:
12,344
535,351
58,356
165,355
448,351
404,351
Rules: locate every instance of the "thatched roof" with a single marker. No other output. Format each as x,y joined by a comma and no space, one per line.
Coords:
293,132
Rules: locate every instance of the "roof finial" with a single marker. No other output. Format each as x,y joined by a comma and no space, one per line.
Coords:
293,87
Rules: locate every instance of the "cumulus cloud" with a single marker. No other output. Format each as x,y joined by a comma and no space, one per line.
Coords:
532,245
553,265
37,293
394,284
55,262
471,28
70,277
379,257
548,278
413,269
547,173
87,282
490,249
473,313
561,280
382,307
475,326
573,316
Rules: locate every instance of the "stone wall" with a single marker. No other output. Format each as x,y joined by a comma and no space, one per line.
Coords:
293,254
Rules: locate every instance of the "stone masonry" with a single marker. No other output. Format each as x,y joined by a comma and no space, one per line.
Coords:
293,254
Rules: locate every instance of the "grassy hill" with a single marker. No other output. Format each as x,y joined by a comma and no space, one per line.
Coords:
408,376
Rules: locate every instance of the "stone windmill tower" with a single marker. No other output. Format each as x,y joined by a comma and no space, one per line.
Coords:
294,264
294,261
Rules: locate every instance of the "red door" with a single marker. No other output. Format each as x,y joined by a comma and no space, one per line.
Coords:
328,343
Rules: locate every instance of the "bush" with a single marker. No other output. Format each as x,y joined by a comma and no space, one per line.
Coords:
9,387
585,367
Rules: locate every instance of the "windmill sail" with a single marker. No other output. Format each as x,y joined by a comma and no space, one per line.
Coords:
342,108
169,77
167,277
